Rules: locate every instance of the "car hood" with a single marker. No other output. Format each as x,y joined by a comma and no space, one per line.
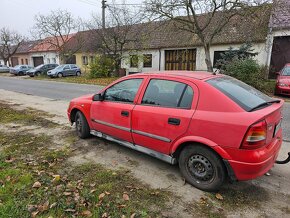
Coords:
284,79
83,98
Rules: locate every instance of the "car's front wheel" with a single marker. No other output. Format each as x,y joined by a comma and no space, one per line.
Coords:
202,168
59,75
82,126
78,73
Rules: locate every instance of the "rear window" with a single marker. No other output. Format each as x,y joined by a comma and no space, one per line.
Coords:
244,95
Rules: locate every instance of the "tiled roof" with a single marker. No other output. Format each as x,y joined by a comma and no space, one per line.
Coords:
25,46
281,14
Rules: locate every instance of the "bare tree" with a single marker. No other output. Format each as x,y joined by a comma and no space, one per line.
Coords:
120,32
57,28
205,19
9,43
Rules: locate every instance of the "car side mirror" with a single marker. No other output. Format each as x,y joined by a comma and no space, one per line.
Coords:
98,97
278,73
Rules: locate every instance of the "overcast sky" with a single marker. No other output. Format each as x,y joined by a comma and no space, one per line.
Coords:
19,14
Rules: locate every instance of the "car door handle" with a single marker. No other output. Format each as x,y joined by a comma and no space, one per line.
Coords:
125,113
174,121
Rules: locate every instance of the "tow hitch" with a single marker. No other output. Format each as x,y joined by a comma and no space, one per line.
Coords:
284,161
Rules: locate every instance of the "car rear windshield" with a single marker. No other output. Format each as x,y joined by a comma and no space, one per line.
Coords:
244,95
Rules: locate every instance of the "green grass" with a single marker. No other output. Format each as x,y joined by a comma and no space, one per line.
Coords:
84,79
29,116
26,158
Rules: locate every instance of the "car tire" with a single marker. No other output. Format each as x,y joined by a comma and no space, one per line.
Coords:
20,74
59,75
82,126
37,73
202,168
78,73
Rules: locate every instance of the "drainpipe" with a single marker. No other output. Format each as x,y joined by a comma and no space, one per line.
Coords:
159,59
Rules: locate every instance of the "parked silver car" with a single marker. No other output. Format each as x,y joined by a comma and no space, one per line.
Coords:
20,70
4,68
65,70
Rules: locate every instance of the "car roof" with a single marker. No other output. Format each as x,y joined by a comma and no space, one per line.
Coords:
200,75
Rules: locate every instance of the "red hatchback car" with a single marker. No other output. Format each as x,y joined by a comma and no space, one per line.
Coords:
214,126
283,81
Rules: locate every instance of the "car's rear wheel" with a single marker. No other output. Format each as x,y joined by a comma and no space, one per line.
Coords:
78,73
202,168
82,126
59,75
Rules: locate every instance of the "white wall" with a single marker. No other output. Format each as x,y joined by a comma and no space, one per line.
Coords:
48,57
1,62
159,56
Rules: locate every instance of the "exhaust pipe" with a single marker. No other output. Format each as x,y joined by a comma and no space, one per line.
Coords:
287,160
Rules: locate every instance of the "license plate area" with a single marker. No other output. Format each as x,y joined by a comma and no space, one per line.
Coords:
278,127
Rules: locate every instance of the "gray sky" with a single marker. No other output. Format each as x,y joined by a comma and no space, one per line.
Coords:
19,14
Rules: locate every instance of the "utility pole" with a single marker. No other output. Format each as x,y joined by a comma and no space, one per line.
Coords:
104,13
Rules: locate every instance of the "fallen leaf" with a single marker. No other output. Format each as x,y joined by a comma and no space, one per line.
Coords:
219,196
105,215
33,214
10,160
123,216
133,215
56,178
125,197
101,196
67,193
122,206
107,193
53,205
69,210
36,185
31,208
92,191
87,213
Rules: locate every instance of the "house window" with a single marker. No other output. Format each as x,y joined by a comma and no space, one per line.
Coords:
134,61
22,61
48,60
26,61
182,59
85,60
53,60
147,60
92,59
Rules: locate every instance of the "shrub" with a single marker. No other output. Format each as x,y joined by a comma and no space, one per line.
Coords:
102,66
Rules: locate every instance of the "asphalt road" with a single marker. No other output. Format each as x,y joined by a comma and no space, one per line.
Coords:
68,91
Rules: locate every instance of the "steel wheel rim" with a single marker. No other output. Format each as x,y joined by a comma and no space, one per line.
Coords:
200,168
79,125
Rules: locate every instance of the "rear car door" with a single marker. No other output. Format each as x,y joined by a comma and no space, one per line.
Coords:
163,114
113,115
66,70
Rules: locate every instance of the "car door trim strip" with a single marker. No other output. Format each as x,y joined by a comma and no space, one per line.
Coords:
151,135
164,157
112,125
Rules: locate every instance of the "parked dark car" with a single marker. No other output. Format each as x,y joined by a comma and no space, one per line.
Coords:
283,81
65,70
41,69
20,70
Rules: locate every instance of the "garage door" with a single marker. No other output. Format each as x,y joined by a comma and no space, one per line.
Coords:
14,61
280,54
182,59
37,61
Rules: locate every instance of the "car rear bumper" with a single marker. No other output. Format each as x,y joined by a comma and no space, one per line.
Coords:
259,165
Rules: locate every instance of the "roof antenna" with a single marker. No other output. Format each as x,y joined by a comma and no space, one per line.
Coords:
216,72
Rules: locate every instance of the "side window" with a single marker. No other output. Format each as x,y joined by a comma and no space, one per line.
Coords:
73,66
167,93
124,91
66,68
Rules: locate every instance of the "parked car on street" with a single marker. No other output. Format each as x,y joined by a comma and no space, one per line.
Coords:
214,126
4,69
20,70
65,70
41,69
283,81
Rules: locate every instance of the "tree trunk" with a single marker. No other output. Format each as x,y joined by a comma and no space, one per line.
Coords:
207,58
5,61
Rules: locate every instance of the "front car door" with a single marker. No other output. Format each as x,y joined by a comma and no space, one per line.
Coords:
66,70
113,115
164,113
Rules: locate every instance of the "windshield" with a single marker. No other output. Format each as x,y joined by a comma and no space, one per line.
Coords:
17,66
286,71
59,67
244,95
40,66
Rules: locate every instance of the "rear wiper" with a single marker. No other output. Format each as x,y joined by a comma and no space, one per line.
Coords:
264,104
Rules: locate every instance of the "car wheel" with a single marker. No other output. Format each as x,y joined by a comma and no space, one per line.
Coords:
82,126
20,74
202,168
59,75
78,73
37,73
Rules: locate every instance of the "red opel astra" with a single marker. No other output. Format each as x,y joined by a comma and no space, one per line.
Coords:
283,81
214,126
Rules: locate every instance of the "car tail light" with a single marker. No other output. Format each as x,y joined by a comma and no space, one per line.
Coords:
256,136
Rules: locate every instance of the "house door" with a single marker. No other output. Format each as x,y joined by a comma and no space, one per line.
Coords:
182,59
14,61
37,61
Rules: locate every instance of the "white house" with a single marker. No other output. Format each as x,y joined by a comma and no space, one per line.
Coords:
166,47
